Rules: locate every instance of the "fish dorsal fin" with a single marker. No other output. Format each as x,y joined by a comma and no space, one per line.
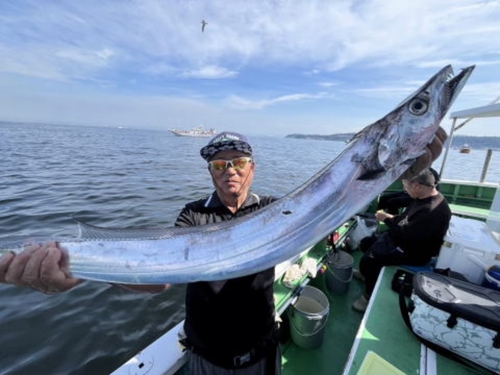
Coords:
92,232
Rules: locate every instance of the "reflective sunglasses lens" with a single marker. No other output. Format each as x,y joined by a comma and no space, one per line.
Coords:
239,163
218,165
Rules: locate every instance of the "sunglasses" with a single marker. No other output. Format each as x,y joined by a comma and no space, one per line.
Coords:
237,164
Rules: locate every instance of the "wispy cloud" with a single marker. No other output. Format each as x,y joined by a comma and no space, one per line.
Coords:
242,103
210,72
88,58
256,55
328,84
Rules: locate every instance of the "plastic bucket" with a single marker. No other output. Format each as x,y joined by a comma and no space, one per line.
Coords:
365,227
308,316
339,272
492,278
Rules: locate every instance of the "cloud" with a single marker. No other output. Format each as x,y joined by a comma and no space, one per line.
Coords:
260,55
210,72
242,103
328,84
87,58
326,36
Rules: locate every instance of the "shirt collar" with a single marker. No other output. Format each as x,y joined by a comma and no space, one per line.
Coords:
214,201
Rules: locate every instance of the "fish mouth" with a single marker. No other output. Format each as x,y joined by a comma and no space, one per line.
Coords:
455,83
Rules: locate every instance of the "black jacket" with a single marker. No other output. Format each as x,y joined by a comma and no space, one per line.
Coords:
229,316
420,229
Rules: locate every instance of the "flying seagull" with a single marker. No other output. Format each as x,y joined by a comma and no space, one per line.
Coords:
203,24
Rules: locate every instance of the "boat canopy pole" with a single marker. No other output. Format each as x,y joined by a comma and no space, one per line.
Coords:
488,113
486,165
449,140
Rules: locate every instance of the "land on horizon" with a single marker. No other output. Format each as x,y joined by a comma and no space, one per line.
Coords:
475,142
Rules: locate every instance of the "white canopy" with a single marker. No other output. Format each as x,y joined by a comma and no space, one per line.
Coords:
492,110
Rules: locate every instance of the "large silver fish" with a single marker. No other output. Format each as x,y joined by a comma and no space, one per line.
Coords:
375,158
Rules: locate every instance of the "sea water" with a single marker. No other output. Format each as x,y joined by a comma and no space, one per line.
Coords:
119,177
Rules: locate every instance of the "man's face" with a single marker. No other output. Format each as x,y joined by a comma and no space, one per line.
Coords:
412,188
232,180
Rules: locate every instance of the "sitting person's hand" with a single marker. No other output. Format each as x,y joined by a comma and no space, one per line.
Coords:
41,267
382,215
432,152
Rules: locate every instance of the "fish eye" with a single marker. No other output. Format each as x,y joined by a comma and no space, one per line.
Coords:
418,106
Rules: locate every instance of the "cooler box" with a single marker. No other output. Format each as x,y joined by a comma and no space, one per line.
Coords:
468,244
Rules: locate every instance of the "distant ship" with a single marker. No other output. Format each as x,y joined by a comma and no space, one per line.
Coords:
195,132
465,149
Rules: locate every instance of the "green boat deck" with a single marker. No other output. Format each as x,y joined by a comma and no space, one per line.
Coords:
380,333
338,337
349,336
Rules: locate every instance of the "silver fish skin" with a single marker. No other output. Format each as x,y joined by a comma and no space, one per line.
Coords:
372,160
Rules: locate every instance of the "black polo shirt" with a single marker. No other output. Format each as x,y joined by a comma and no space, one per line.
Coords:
229,316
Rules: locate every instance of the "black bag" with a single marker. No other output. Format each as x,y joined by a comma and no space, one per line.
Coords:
402,282
455,318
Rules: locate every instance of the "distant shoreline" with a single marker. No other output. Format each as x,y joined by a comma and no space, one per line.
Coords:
475,142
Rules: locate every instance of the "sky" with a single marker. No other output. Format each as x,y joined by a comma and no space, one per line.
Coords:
259,67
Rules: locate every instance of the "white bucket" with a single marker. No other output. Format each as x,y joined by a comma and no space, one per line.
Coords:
339,272
308,316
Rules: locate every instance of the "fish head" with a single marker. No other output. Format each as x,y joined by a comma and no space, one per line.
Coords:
405,132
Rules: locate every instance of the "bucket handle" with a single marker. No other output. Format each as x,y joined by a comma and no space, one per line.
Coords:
308,316
348,280
314,317
313,333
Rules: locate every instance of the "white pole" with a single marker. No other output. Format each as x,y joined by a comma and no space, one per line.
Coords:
449,140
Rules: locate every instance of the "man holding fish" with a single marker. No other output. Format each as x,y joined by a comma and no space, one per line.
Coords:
230,322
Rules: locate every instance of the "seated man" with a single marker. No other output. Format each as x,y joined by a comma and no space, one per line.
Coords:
392,203
413,237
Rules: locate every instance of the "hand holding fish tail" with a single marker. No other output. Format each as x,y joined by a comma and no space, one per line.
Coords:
45,268
40,267
431,153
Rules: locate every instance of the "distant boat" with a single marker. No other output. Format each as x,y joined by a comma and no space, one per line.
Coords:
195,132
465,149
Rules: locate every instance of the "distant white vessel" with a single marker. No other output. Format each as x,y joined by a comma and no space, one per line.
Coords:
195,132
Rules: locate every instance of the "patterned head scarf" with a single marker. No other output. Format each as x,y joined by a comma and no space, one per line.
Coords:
226,141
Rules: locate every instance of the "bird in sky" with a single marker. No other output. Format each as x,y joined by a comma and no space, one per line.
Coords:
203,24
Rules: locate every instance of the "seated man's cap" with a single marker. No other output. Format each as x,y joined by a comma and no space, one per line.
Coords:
426,177
226,141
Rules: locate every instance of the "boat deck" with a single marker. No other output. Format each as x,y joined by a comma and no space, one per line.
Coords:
338,337
349,336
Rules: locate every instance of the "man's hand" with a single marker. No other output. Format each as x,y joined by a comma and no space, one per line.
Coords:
45,268
41,267
432,152
381,215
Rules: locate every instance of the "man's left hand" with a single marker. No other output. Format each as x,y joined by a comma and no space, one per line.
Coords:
432,152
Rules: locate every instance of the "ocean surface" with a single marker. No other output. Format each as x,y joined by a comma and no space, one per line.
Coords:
119,177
